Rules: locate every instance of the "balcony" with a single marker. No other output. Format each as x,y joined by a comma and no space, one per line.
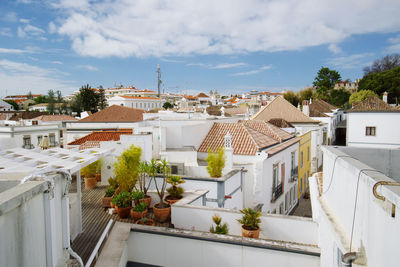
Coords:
294,174
276,192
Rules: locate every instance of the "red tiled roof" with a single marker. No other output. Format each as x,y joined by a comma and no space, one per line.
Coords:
247,137
55,118
319,107
108,135
202,95
20,96
372,104
116,113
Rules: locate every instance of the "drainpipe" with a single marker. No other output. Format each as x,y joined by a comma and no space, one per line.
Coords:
50,214
348,258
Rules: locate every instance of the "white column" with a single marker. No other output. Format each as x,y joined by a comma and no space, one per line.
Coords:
79,200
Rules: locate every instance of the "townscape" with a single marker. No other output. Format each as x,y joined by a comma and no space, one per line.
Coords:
129,176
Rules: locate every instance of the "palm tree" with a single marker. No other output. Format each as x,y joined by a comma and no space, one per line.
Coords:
165,171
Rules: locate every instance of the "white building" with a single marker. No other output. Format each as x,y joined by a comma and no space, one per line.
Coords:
146,103
4,106
373,123
356,203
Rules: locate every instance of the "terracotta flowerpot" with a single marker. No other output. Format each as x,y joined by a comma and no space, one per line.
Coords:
123,212
250,233
90,182
106,202
170,200
98,177
149,222
147,200
163,214
138,215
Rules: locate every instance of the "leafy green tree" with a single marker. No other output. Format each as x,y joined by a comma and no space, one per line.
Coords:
385,81
12,103
339,97
386,63
51,102
361,96
325,81
102,98
40,99
60,103
89,98
305,94
76,104
215,162
291,97
29,96
167,105
126,168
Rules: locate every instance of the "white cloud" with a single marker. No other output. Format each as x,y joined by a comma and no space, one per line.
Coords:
10,17
175,28
395,45
20,77
31,31
11,51
229,65
6,32
171,60
88,67
252,72
353,61
24,20
334,48
57,62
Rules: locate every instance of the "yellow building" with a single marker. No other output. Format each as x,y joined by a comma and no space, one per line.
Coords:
304,163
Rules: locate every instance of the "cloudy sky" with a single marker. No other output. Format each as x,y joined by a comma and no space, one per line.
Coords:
228,45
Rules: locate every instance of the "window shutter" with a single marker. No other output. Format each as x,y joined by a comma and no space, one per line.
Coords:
283,176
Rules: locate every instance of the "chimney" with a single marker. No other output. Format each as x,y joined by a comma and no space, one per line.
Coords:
228,154
306,108
385,95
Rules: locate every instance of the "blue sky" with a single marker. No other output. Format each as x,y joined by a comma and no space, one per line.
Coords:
233,46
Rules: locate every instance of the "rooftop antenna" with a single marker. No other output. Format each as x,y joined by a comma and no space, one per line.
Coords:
158,78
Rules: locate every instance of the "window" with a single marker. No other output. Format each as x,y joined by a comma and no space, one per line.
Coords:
370,131
275,175
39,139
27,141
287,201
301,159
52,138
293,158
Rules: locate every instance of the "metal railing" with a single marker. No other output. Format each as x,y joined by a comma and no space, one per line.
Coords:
276,192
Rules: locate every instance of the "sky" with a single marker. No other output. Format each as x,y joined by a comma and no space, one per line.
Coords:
232,46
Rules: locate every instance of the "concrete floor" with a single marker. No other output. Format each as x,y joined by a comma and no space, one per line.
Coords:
303,208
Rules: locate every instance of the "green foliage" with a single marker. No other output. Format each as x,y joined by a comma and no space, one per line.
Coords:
126,168
89,97
339,97
361,96
325,81
144,176
219,229
167,105
385,81
216,162
250,219
40,99
110,191
90,170
137,195
165,172
175,191
113,182
76,104
12,103
140,207
102,99
291,97
122,200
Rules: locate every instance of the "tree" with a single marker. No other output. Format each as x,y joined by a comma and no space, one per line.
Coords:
102,98
167,105
361,96
89,98
215,162
61,108
51,101
291,97
325,81
12,103
29,96
40,99
386,63
385,81
339,97
305,94
76,104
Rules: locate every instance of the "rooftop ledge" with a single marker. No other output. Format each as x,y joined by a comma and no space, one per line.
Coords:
223,178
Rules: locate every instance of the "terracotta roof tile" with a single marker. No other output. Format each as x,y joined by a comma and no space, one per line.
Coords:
279,108
372,103
319,107
55,118
116,113
99,136
202,95
281,123
247,137
236,111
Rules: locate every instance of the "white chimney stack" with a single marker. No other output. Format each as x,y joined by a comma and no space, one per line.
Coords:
228,154
306,108
385,95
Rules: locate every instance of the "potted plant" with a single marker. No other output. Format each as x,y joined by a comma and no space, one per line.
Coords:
162,210
219,229
137,195
89,173
106,200
98,164
147,172
175,192
250,223
215,162
126,168
113,184
139,211
122,202
146,221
